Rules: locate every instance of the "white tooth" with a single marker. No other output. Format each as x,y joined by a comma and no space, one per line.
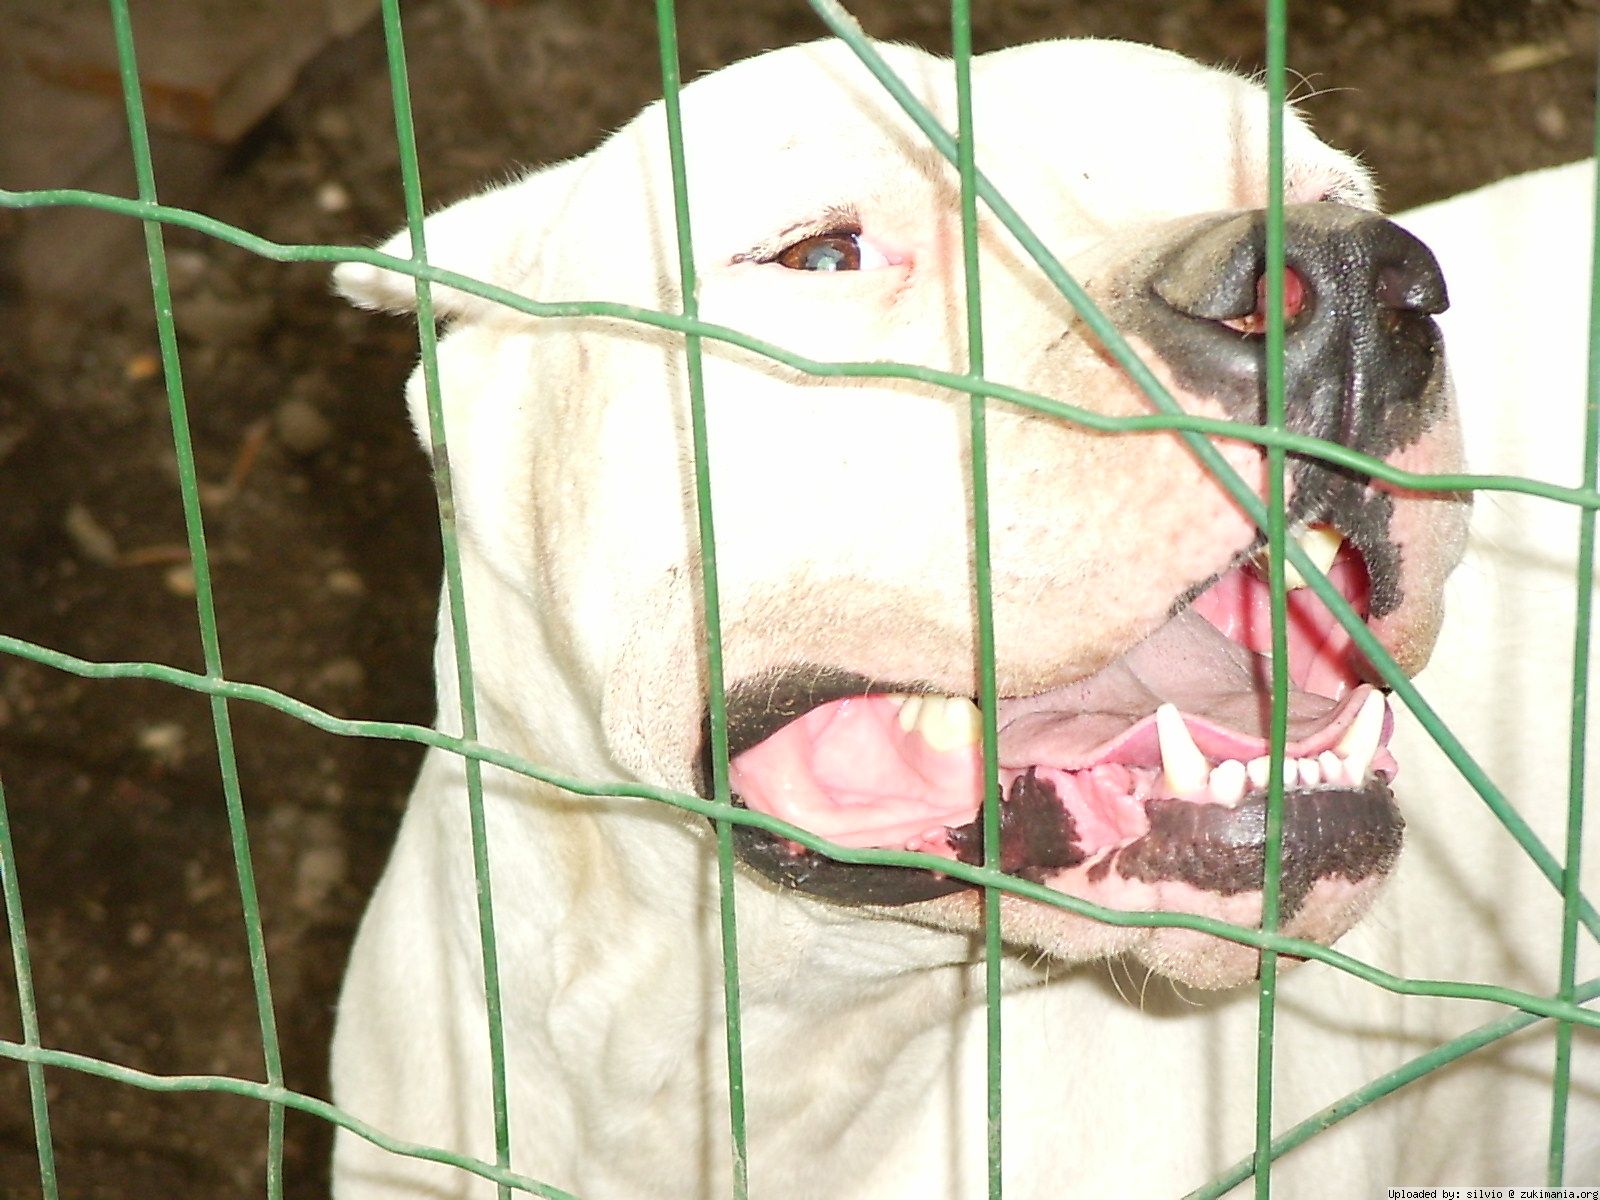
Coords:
1257,770
1227,782
910,707
949,721
1309,772
1332,767
1181,760
1321,544
1360,742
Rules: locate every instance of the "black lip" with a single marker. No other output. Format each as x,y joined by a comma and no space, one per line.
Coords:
793,866
1329,495
1328,833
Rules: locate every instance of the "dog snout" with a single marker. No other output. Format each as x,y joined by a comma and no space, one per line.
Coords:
1359,295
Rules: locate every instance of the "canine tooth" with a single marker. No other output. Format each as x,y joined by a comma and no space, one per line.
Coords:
949,721
910,707
1257,770
1360,742
1321,544
1227,782
1181,761
1332,767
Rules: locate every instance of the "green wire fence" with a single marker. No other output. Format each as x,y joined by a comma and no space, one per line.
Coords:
1565,1006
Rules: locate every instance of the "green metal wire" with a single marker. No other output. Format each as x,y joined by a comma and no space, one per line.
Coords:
22,967
1278,441
983,590
205,608
667,29
1278,734
1300,444
1561,1083
455,588
1324,1119
981,876
230,1086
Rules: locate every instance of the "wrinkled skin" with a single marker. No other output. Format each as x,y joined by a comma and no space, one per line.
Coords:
843,516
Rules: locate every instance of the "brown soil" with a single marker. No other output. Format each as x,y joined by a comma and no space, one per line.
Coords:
320,520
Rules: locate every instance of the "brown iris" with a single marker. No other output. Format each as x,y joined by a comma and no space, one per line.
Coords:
839,250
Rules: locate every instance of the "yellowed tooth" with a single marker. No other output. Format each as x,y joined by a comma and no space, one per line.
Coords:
1182,764
910,709
1359,744
1321,544
948,722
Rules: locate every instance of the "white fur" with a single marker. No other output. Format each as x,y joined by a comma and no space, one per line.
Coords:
863,1037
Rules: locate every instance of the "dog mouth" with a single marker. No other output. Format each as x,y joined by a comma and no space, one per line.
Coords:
1142,786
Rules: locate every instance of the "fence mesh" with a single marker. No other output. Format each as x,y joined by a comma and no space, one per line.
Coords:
1563,1006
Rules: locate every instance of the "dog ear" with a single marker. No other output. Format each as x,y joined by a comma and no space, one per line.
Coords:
482,237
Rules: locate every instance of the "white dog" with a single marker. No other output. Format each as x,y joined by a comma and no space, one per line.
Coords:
1127,623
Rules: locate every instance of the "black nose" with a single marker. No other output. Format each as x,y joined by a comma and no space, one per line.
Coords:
1361,351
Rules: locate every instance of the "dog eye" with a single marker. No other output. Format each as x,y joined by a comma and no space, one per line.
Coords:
837,250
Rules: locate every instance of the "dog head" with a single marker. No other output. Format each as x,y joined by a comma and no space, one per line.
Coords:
1129,617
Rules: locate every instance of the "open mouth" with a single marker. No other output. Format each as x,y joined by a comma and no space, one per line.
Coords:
1145,779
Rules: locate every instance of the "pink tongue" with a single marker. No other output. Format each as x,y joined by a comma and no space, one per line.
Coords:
1222,689
848,771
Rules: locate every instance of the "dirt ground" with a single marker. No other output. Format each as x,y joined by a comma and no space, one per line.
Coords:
320,520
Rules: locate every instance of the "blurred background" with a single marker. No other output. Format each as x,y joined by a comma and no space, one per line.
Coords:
277,118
